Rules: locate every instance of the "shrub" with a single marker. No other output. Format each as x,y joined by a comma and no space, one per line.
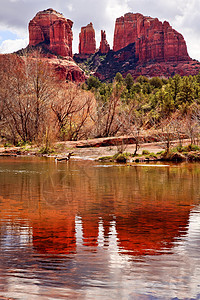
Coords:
193,157
7,144
121,158
173,156
46,150
187,148
145,152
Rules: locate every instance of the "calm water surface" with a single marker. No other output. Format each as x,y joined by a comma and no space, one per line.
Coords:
83,230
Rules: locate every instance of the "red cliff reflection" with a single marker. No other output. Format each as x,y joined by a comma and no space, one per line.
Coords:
90,229
140,233
55,236
148,215
150,232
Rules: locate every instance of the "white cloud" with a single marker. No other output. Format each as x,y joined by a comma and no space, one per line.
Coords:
9,46
183,15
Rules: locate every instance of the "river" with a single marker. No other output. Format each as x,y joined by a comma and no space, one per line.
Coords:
85,230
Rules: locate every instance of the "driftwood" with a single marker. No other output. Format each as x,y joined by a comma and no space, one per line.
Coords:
66,158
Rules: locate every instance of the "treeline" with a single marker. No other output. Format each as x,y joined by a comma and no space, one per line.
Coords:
35,106
156,97
170,105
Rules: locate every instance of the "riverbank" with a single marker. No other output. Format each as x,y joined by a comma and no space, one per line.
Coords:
106,148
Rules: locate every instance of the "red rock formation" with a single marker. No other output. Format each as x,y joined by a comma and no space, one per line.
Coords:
153,39
104,46
67,70
165,69
51,28
87,42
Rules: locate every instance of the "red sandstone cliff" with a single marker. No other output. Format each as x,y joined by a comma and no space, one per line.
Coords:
87,42
51,28
104,46
53,33
153,39
142,46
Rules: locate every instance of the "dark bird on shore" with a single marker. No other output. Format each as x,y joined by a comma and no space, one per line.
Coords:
66,158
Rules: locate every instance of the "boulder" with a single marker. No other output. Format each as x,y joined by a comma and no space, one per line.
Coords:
51,29
87,42
67,70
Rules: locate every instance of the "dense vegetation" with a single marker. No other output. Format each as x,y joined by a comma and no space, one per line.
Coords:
169,105
37,107
155,98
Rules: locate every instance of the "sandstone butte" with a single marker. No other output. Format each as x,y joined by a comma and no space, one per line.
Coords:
104,46
87,42
154,40
50,30
154,48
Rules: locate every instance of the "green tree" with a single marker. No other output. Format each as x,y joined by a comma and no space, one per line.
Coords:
186,93
93,82
119,77
142,79
156,82
129,81
174,84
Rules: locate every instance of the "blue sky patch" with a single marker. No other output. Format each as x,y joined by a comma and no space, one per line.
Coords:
7,35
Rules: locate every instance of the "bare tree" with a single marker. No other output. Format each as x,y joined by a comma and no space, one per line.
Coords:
111,116
72,110
16,109
195,115
42,84
191,125
134,125
25,93
169,130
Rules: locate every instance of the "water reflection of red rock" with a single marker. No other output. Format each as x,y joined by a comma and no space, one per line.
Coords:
148,217
142,232
151,231
55,236
90,230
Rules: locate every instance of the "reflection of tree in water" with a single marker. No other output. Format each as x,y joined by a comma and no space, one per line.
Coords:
58,189
55,236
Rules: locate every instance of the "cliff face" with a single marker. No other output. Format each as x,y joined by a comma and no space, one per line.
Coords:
142,46
153,39
53,34
87,42
104,46
52,29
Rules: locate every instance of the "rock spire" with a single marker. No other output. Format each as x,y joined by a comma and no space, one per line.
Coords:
87,42
104,46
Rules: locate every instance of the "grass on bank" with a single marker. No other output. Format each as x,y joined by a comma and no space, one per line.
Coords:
177,154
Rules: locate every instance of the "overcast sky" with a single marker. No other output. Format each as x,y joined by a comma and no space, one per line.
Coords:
183,15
